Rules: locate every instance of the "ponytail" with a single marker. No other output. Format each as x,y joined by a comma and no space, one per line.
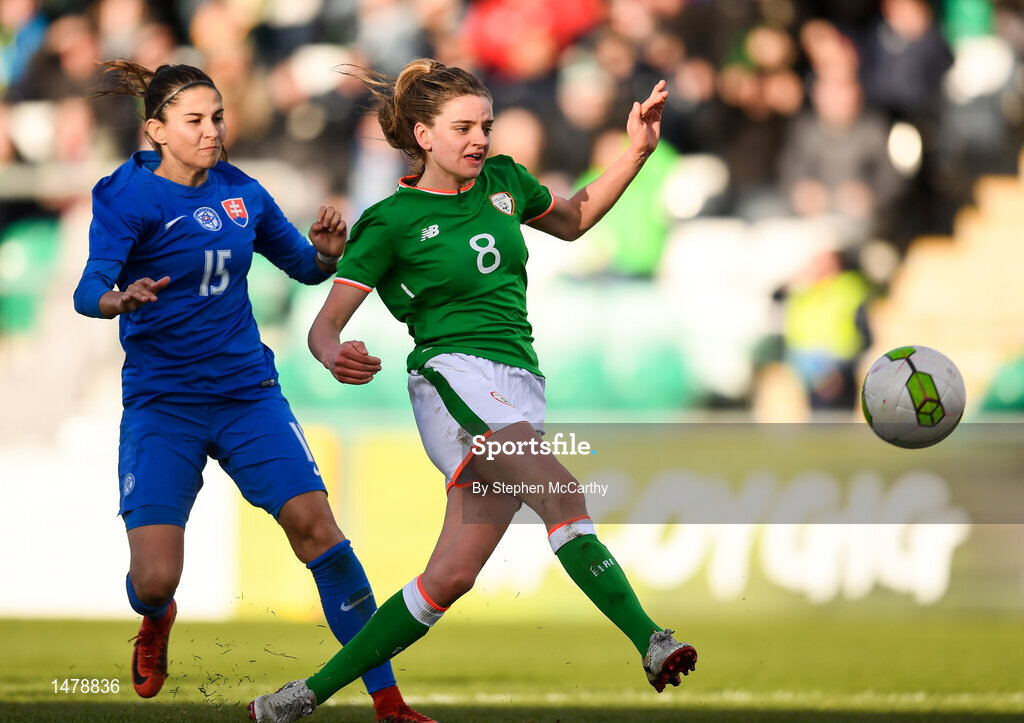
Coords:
158,89
417,95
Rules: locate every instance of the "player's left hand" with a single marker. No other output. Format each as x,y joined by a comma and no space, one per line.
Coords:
644,123
352,363
329,233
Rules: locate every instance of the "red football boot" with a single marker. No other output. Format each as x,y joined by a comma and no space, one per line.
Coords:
149,658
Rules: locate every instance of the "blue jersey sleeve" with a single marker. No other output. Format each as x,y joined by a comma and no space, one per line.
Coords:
99,277
285,246
112,234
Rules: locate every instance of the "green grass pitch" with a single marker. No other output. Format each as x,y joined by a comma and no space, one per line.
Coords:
818,665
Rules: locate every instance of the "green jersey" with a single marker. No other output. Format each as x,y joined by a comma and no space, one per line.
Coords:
451,265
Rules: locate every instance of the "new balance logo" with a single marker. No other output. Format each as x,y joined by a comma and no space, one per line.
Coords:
429,232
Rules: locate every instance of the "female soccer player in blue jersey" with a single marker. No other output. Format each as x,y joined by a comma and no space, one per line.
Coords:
446,253
173,235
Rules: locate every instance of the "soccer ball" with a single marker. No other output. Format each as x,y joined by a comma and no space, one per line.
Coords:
913,396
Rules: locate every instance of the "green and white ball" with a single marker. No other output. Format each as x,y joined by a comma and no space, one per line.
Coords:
913,396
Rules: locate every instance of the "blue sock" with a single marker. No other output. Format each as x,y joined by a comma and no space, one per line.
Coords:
153,612
348,602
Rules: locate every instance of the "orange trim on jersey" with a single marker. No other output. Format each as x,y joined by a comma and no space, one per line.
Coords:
551,206
350,282
567,522
431,603
402,184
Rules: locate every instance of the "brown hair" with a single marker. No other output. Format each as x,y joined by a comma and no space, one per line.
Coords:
415,96
158,88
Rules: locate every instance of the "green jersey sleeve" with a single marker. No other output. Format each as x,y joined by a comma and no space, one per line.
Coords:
369,253
538,199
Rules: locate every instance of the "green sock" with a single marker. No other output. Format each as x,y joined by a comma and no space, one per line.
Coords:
388,632
599,576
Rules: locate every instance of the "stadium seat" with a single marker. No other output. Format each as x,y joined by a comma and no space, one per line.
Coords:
28,251
1006,392
269,289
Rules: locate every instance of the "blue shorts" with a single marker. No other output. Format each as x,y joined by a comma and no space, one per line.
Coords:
164,446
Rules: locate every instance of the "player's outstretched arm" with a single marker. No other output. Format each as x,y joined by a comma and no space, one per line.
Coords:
571,218
143,291
349,363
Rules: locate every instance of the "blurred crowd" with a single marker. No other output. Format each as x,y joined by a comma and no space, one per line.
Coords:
873,115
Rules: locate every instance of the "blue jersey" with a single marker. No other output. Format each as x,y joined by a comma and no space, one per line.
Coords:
199,339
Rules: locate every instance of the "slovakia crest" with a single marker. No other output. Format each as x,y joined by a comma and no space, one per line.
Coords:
208,218
504,202
235,209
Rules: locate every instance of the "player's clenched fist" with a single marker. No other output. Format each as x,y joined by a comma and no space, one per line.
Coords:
352,364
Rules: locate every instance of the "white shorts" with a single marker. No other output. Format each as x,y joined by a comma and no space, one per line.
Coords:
457,397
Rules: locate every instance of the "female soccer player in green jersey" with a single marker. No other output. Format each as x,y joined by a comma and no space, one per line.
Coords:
447,255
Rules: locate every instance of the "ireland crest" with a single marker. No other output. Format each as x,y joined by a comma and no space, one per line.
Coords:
503,202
